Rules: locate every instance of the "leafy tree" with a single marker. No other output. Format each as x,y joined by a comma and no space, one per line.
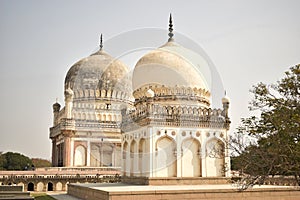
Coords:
38,162
275,132
14,161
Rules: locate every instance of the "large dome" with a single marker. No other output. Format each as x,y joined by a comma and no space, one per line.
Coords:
172,65
99,71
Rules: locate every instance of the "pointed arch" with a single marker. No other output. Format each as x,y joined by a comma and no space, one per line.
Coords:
80,156
143,154
191,157
215,157
30,186
166,163
125,164
106,154
133,158
50,186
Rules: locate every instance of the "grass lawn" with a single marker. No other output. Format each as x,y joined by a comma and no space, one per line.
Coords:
41,196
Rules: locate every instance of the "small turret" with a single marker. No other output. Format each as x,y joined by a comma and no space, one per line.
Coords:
56,108
226,102
69,94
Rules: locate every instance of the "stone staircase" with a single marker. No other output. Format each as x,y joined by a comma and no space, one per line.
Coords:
13,192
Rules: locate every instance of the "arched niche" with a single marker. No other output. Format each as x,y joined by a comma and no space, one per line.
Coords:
215,157
191,158
80,156
165,159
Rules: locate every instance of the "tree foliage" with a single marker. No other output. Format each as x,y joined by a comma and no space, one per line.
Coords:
38,162
275,132
14,161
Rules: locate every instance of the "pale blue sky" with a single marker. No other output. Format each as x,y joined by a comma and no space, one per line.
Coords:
248,41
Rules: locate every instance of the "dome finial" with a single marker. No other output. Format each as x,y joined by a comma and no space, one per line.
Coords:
170,29
101,43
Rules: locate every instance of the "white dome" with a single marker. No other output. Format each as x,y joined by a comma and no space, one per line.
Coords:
172,65
225,99
99,71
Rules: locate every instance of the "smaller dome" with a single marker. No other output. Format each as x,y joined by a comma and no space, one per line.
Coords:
225,99
99,71
56,107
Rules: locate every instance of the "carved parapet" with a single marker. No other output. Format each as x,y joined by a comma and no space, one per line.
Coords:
67,124
168,115
161,92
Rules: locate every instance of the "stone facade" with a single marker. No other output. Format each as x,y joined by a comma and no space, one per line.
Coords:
172,132
86,131
166,129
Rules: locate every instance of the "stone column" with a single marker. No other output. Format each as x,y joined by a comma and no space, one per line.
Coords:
88,153
69,102
178,156
72,153
67,151
54,153
152,153
56,109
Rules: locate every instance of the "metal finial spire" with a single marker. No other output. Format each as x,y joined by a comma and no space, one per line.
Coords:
170,29
225,92
101,43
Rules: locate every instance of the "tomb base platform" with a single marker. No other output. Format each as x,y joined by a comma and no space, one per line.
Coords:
175,180
114,191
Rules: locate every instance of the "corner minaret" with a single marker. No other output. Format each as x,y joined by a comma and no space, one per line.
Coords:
226,102
56,108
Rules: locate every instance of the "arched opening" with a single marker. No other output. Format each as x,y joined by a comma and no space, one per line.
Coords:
30,187
215,158
50,186
95,155
80,156
133,158
106,154
59,186
117,161
40,187
166,165
125,160
142,157
191,163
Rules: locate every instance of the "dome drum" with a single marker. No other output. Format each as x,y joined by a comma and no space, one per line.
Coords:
171,94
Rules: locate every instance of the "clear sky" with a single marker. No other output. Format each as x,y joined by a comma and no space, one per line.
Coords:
248,41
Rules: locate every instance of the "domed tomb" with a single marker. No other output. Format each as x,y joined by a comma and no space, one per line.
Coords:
99,72
172,65
86,131
173,70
